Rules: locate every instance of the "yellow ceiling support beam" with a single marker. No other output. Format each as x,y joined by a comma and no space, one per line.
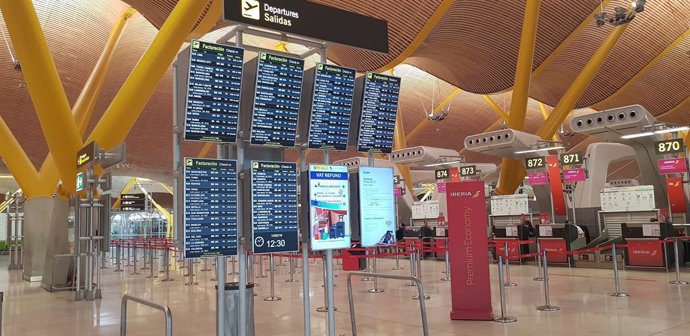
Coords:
421,37
168,216
212,17
205,150
83,108
520,97
545,114
425,122
499,111
18,163
43,82
129,102
510,181
649,65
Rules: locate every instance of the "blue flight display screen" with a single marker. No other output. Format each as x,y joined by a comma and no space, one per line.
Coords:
210,208
276,100
213,92
331,110
274,207
379,109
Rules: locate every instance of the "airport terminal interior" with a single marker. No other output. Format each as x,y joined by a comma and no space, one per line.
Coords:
332,167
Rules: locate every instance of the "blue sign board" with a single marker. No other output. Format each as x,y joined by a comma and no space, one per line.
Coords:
379,109
331,110
274,207
210,208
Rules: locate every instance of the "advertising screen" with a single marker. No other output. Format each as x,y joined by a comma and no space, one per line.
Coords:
276,100
376,206
329,207
379,109
331,110
274,207
210,208
213,92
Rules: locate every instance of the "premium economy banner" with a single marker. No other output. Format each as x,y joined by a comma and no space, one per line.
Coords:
468,248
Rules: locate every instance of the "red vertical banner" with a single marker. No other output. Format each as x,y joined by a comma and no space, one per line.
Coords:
557,196
454,174
468,248
676,195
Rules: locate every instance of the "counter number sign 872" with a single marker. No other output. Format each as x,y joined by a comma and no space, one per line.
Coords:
535,162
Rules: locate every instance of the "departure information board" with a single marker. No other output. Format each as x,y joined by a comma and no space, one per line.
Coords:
213,92
331,109
274,207
379,108
276,100
132,202
210,208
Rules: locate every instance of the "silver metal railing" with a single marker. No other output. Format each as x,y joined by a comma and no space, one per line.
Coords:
123,313
420,290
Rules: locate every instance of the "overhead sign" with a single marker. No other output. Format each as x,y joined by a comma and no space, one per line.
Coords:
376,206
210,211
132,202
331,109
313,20
276,100
274,207
669,146
676,195
213,92
535,162
442,174
557,195
454,174
538,178
80,181
396,179
570,158
466,171
574,175
467,229
329,207
672,166
379,109
87,154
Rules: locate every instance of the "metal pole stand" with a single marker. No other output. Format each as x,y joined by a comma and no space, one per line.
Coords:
262,274
539,276
104,260
291,262
233,266
118,259
616,277
144,257
501,289
447,277
376,288
151,275
397,259
419,270
135,271
205,269
166,265
547,306
678,281
324,309
367,267
190,273
413,268
507,262
273,297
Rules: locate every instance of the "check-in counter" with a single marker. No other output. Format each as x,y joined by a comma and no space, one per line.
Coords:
644,246
557,239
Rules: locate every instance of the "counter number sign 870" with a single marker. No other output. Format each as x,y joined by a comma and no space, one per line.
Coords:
535,162
669,146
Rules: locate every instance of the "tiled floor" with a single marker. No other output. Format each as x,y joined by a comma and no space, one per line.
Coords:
653,308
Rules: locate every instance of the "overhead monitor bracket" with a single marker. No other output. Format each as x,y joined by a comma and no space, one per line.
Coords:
506,143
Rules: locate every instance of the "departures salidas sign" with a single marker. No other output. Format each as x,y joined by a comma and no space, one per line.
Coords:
313,20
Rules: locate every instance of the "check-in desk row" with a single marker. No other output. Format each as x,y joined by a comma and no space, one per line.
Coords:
430,235
557,239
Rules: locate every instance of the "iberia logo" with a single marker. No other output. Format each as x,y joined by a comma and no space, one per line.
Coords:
673,184
553,165
477,194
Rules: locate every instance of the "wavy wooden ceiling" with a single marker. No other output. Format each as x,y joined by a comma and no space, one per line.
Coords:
473,47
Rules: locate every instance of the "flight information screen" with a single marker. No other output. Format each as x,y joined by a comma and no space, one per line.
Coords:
274,207
213,92
331,109
276,100
210,208
379,108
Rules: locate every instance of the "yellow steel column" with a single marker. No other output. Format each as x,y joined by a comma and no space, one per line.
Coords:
84,106
570,98
43,82
17,162
518,105
127,105
499,111
545,114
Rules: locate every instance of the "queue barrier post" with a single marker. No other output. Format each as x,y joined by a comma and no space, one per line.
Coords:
166,265
676,257
397,259
502,292
273,296
506,252
419,253
547,300
539,276
616,276
413,266
376,288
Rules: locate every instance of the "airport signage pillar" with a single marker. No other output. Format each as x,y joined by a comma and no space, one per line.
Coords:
554,170
468,247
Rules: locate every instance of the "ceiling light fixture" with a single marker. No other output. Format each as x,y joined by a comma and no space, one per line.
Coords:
656,129
673,129
442,163
637,135
536,150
